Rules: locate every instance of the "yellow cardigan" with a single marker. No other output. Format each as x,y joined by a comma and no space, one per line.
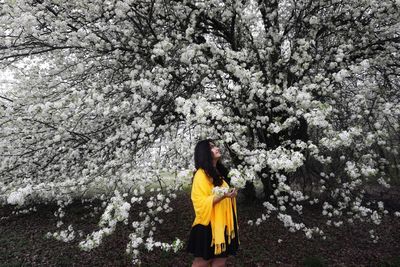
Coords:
220,214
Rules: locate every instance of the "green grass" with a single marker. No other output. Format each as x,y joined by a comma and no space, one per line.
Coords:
393,262
314,261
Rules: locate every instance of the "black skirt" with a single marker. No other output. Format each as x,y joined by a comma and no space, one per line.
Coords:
200,239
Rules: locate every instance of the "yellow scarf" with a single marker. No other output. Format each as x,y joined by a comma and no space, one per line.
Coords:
220,214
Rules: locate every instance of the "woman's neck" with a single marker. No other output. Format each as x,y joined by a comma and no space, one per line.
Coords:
214,163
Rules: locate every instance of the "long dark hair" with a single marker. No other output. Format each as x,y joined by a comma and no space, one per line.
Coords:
203,159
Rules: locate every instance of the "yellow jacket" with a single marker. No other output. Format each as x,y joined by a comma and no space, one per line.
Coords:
220,214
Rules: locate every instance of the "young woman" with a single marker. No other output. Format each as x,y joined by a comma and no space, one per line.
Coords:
214,233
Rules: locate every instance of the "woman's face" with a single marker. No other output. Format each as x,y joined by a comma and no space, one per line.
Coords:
215,152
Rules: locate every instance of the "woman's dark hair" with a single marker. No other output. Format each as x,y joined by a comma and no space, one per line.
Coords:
203,159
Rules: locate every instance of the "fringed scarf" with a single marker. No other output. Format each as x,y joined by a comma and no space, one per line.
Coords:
220,215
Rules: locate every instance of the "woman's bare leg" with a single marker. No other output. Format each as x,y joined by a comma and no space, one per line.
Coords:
200,262
219,262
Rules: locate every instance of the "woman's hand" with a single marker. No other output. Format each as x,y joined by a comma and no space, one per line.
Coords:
231,193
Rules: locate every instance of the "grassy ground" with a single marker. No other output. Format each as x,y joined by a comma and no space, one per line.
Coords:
22,241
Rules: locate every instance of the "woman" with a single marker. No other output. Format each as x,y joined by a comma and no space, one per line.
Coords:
214,233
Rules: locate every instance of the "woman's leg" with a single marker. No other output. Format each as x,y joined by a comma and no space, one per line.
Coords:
219,262
200,262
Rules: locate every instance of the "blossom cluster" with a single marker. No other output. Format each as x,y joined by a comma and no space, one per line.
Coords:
220,190
19,196
116,211
237,178
147,227
63,235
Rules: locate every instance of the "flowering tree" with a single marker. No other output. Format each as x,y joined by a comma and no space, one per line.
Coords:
297,91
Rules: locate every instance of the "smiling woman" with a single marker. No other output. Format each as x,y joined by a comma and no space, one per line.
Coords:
214,233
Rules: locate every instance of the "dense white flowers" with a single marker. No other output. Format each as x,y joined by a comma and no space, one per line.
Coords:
284,159
237,178
116,211
99,110
18,197
220,190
